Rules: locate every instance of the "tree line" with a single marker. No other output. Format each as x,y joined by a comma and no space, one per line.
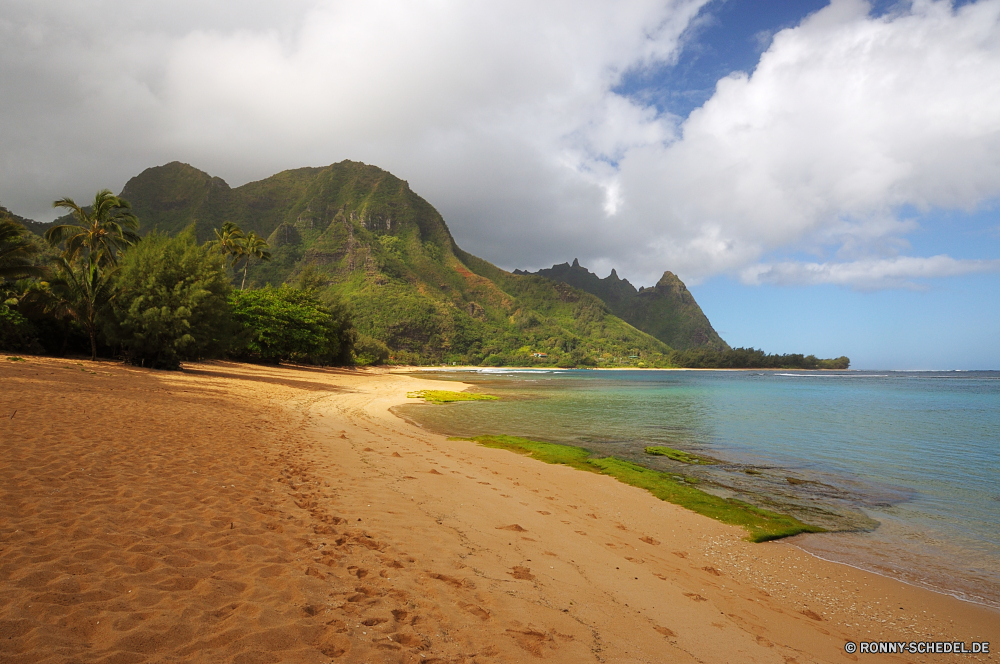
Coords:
93,284
750,358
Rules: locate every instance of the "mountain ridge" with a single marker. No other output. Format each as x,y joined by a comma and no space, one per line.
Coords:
667,310
364,236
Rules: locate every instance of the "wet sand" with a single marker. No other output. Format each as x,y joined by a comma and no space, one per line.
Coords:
236,513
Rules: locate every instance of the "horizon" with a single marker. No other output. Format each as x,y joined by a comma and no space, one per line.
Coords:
743,147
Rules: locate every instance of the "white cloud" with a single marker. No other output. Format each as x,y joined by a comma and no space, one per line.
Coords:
871,274
846,119
503,115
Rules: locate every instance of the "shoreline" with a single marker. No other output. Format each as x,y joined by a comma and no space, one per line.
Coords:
897,550
371,539
553,368
912,584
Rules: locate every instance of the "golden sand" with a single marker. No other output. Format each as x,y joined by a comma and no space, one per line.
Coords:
236,513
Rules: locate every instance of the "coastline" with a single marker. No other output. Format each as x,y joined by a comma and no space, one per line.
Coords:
374,540
408,368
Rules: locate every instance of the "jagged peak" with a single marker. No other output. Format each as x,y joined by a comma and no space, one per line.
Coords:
670,281
576,262
614,275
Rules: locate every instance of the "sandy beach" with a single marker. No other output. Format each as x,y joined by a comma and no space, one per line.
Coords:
238,513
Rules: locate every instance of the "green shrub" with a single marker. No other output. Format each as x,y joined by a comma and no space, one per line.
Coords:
369,351
172,304
288,323
493,360
15,331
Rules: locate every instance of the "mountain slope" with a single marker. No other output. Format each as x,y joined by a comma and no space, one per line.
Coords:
666,311
36,227
390,255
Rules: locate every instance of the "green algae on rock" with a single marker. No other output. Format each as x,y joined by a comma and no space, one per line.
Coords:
680,455
447,396
761,525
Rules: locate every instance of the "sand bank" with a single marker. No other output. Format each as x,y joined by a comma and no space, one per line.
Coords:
234,513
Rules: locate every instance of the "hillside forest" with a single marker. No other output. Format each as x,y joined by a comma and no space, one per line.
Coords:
331,266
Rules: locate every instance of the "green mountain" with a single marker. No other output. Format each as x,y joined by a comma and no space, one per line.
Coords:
666,311
36,227
364,235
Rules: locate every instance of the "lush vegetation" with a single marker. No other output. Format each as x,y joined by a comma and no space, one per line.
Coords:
171,303
374,244
667,311
353,238
157,301
288,323
750,358
761,525
448,396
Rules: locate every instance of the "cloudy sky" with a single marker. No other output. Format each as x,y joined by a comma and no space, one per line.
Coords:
825,175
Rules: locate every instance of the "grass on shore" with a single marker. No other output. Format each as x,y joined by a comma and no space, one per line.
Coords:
762,525
447,396
680,455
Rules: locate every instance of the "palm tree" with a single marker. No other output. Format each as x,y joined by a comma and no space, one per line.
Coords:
103,232
83,293
227,240
17,252
252,247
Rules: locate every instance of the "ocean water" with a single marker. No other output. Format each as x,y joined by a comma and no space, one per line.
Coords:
903,468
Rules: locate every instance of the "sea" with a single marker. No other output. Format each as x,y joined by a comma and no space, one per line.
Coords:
901,468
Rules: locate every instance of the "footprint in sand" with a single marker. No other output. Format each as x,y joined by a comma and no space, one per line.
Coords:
477,611
665,631
696,597
452,581
523,573
515,527
712,571
411,640
680,554
649,540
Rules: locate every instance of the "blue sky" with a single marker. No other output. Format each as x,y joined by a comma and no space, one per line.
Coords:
825,177
943,323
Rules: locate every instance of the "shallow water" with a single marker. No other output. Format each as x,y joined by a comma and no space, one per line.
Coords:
903,466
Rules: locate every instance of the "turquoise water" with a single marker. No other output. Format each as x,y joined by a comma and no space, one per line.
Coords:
903,467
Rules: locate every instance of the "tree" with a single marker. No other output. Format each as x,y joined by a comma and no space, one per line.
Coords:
288,323
227,241
232,242
172,304
104,231
85,285
83,291
251,247
17,252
